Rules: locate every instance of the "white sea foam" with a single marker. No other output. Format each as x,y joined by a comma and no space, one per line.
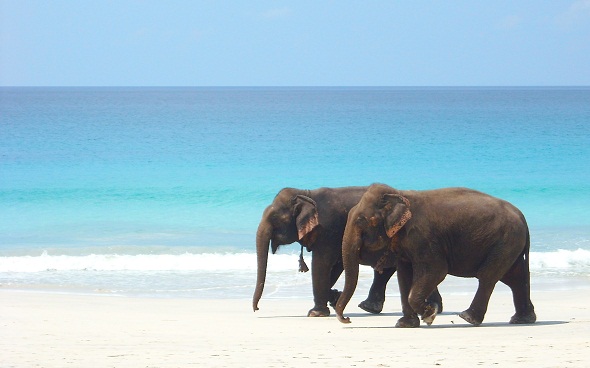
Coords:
566,260
207,262
561,260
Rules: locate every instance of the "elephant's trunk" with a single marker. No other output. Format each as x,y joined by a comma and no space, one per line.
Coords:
350,256
262,244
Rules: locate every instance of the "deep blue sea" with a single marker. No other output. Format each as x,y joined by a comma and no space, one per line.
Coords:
158,191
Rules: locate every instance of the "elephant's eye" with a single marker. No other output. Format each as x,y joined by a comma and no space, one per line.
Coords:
369,237
362,222
363,236
281,218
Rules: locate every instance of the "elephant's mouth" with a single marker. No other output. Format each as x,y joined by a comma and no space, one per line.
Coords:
274,246
371,258
280,239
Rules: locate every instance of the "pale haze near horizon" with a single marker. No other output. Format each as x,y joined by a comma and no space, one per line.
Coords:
298,43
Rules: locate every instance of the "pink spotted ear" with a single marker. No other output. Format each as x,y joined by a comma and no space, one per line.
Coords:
398,213
307,219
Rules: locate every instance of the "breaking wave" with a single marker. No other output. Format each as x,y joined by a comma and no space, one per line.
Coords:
561,260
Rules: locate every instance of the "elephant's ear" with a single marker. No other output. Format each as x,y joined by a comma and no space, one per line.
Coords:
397,213
307,215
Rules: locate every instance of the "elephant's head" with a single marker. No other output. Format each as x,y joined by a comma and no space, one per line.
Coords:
291,217
370,234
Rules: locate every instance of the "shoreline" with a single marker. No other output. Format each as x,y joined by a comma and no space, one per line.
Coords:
54,330
279,285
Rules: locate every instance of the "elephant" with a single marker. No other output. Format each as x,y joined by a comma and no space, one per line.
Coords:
432,233
316,219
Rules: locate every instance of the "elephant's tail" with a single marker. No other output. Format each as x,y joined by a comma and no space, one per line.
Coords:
524,255
525,252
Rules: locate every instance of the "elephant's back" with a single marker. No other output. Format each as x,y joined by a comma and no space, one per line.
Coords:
467,211
334,205
466,226
462,200
346,197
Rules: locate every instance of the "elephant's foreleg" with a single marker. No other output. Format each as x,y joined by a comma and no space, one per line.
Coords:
321,282
425,280
376,297
436,298
404,279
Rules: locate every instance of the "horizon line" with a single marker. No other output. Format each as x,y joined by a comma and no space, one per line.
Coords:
296,86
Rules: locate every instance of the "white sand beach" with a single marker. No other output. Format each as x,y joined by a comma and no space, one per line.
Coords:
59,330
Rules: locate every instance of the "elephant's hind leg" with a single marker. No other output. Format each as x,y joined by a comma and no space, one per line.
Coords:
488,274
518,279
479,306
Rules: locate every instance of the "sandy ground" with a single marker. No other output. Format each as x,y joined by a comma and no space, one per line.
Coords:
62,330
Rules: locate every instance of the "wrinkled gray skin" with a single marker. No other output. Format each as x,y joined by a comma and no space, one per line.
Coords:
433,233
315,219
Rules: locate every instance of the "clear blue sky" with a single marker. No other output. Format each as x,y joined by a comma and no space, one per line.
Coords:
294,43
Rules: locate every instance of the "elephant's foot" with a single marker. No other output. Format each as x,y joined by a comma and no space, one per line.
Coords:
319,312
439,307
429,314
408,322
334,295
370,306
522,320
470,316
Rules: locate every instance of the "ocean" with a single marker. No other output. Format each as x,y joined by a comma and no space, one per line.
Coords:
158,192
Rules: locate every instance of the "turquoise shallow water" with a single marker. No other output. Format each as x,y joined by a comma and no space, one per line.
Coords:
145,182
